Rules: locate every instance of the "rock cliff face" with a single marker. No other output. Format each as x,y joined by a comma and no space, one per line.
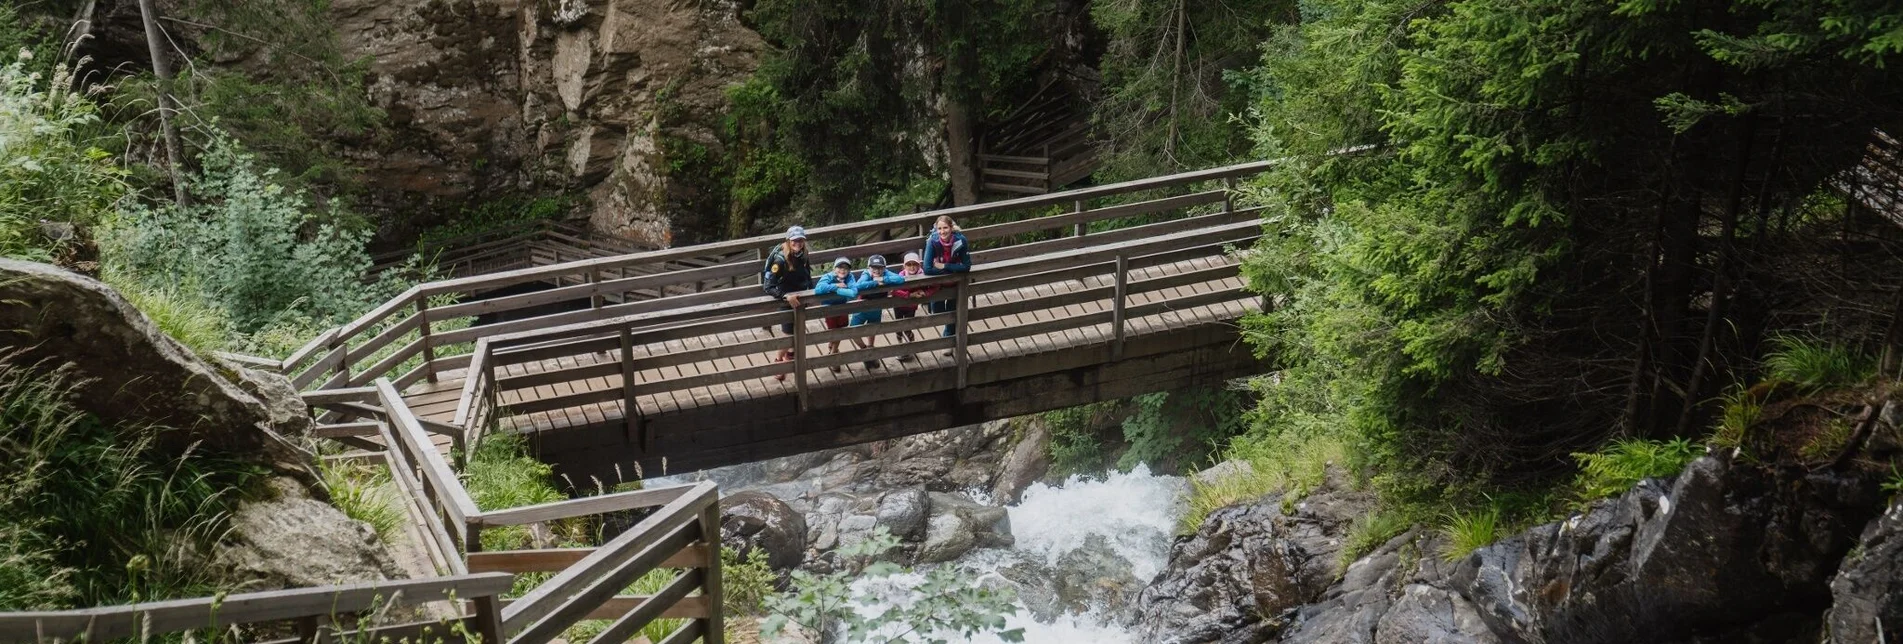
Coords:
1726,552
585,95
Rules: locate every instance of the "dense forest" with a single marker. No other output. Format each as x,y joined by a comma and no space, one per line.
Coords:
1507,242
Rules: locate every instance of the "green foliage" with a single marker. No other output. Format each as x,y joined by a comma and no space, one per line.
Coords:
655,631
500,475
99,515
745,584
1616,468
1740,411
366,494
1292,464
947,603
1079,444
1169,103
1894,485
1470,531
1814,364
1825,444
1177,430
49,169
246,245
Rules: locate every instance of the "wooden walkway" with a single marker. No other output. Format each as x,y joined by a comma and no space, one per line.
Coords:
1088,287
438,401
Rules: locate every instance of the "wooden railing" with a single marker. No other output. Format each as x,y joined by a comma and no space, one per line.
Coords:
683,533
317,614
415,330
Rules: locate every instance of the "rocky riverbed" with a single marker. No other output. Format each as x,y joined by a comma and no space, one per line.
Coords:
1724,552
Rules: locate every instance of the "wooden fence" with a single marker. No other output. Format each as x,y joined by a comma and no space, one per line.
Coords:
317,614
684,533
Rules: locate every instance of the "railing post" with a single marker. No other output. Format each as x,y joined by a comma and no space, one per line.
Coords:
636,432
472,537
1078,229
422,326
1228,195
963,316
594,279
1116,310
715,632
309,631
343,359
799,354
488,619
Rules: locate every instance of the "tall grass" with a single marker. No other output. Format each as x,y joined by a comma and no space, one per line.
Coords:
365,494
192,322
91,514
1470,531
1614,469
501,474
1814,364
1291,464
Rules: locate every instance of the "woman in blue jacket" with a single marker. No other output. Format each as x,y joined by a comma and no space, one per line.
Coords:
945,253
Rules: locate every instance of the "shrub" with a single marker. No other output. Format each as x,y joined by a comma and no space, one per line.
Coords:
1176,429
746,583
1467,532
1741,410
246,245
1078,438
1616,468
1814,364
48,171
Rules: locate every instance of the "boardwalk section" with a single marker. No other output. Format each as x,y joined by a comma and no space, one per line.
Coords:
664,359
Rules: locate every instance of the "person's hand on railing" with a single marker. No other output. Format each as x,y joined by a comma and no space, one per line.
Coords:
793,300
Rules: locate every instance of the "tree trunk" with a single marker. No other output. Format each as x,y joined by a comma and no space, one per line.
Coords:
168,108
959,145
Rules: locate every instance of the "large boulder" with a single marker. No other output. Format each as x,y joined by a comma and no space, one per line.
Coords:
903,513
1249,562
756,520
1028,461
129,372
958,524
1868,589
294,541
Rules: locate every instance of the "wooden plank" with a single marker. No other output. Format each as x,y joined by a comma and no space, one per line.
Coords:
401,475
409,431
380,340
383,367
552,606
666,603
584,506
556,559
349,395
156,618
346,429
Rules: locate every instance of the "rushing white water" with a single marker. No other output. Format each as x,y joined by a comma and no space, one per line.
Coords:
1135,513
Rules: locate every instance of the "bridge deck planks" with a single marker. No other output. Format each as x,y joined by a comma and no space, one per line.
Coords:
438,401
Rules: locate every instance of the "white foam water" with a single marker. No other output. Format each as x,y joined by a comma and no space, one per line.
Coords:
1134,512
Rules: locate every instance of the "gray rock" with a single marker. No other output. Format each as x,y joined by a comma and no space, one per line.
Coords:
290,415
903,513
1094,576
1028,461
1220,471
756,520
295,541
1428,615
128,372
947,537
1247,563
1868,590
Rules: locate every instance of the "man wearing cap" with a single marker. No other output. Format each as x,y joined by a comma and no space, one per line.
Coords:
871,279
786,274
912,268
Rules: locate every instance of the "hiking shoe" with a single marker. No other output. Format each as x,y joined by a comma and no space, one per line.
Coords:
835,368
908,358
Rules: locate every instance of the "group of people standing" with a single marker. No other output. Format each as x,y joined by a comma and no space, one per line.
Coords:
788,272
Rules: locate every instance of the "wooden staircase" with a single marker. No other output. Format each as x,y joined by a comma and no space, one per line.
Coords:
1042,146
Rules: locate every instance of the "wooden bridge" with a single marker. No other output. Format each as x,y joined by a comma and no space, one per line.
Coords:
1074,297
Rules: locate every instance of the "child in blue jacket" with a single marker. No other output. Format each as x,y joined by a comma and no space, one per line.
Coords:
836,287
875,276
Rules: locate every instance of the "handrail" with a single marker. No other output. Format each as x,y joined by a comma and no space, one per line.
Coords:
308,606
340,348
